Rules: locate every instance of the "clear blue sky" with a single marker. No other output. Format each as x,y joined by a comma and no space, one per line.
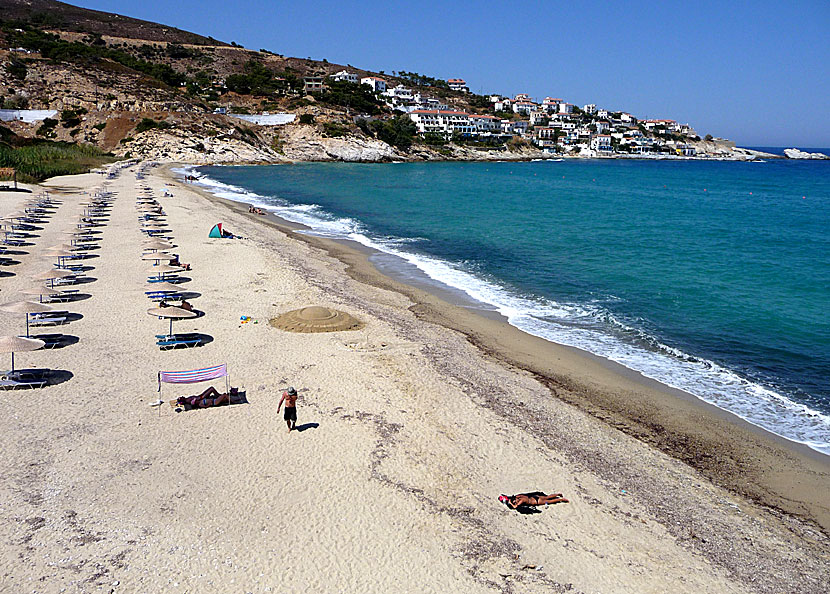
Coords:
755,72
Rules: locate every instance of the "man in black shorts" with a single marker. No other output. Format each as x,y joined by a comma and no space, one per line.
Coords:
290,415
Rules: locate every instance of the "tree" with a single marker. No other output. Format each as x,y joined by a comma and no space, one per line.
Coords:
707,137
398,132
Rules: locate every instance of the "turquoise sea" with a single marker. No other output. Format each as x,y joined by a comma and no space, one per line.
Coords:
709,276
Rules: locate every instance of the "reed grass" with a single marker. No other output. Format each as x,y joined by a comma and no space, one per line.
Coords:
43,159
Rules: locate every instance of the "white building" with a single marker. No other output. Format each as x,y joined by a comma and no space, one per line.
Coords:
440,122
566,108
345,75
551,104
601,143
602,113
627,118
538,118
590,108
485,123
524,107
378,84
602,127
514,127
458,84
503,105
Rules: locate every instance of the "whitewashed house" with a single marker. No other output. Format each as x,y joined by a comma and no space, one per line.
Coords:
458,84
538,117
601,143
602,113
566,108
590,109
345,75
524,107
444,123
485,124
378,84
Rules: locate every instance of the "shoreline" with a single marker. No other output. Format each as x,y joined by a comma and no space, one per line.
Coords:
733,453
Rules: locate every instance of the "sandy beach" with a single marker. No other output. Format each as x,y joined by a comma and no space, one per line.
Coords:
410,428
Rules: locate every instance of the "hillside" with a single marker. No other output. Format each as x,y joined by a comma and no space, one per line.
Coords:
143,89
66,17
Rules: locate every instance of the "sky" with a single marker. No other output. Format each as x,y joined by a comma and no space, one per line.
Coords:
755,72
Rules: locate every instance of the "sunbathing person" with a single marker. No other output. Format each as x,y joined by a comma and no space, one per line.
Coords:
208,398
531,499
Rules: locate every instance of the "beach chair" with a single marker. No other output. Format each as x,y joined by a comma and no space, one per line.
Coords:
171,341
23,378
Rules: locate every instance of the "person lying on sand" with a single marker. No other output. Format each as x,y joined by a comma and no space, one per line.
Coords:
208,398
531,499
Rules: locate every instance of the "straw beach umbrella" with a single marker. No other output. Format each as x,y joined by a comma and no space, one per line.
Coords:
41,291
171,313
157,244
26,307
158,256
52,275
16,344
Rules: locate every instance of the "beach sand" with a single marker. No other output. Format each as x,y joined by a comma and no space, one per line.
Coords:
410,429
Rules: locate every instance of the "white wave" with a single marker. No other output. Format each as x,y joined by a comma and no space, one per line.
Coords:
583,326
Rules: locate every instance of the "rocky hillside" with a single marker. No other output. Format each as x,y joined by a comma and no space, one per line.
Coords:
136,88
65,17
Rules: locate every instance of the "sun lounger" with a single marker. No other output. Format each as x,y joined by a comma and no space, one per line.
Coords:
23,378
171,341
50,321
10,384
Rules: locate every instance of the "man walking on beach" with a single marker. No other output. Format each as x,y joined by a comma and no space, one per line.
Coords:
290,415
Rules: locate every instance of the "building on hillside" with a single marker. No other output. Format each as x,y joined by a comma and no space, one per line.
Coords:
602,113
551,104
378,84
601,143
503,105
312,84
523,97
590,109
524,107
485,124
539,117
566,108
458,84
440,122
346,76
627,118
685,150
602,127
514,127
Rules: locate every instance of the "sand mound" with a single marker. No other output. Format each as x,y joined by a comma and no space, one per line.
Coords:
316,319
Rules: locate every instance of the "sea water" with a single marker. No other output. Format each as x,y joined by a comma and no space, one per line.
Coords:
709,276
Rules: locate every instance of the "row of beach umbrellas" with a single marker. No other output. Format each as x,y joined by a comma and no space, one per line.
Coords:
79,241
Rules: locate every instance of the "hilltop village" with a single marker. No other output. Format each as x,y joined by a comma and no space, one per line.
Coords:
554,126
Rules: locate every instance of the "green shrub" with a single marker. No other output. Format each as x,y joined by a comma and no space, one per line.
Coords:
335,130
149,123
306,118
47,128
100,126
16,68
399,132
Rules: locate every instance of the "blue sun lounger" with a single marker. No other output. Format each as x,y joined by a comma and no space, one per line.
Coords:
171,341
